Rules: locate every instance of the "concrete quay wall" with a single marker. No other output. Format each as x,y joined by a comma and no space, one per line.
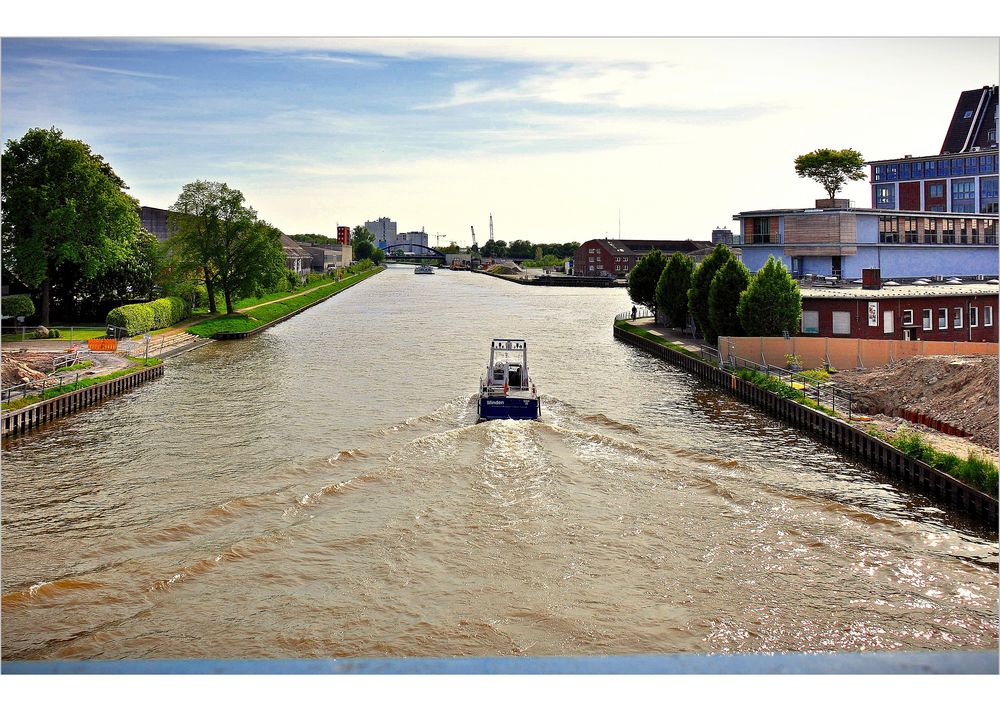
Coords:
942,487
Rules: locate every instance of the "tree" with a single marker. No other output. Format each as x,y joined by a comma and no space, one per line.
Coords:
701,283
724,297
672,288
363,249
378,256
831,168
643,278
216,231
16,306
361,234
61,205
771,303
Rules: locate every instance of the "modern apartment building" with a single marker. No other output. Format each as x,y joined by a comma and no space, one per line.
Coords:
841,241
961,178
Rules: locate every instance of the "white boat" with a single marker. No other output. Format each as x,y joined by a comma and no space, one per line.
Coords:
506,392
424,269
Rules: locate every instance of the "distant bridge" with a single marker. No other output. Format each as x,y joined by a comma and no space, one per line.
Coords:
413,253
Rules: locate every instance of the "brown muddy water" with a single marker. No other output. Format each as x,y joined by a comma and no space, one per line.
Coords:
323,490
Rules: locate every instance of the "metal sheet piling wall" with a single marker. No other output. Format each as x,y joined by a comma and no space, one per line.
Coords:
28,418
936,484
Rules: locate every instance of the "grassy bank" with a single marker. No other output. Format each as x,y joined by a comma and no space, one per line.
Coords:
78,333
649,336
268,313
974,470
50,393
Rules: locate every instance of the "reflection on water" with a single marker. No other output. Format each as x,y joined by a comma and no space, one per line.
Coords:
323,490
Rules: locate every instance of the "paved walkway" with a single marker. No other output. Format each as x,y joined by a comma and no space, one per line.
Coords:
674,335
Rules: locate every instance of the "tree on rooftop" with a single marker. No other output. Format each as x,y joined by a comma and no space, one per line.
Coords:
771,303
831,168
643,278
701,283
672,289
62,205
724,297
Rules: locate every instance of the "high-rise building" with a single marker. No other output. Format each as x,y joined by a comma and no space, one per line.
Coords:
343,234
384,230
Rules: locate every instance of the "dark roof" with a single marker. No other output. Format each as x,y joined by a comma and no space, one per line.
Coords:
974,116
292,248
642,246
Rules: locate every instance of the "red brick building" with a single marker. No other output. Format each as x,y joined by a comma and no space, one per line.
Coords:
616,257
947,312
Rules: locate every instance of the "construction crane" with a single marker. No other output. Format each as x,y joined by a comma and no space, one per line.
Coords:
438,237
491,227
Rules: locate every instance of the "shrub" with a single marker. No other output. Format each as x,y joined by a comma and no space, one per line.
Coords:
945,461
17,305
911,443
54,333
133,318
162,313
979,472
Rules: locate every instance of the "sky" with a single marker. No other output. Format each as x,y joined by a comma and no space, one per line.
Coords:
560,139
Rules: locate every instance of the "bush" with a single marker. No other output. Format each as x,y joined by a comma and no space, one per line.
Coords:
17,305
980,473
911,443
54,333
161,313
133,318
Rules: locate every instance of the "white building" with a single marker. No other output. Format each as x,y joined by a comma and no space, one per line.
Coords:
384,230
413,238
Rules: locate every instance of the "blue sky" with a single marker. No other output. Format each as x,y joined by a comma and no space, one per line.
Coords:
553,136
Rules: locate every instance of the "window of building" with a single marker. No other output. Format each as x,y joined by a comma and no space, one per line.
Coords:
810,322
927,319
935,191
930,169
973,231
963,195
988,195
990,231
910,229
942,319
885,197
956,166
888,229
956,321
892,171
930,230
878,174
907,317
761,230
974,316
970,165
904,171
948,231
991,135
988,164
968,114
987,315
842,322
942,169
917,169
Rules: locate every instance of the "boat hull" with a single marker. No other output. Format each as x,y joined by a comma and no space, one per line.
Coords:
501,407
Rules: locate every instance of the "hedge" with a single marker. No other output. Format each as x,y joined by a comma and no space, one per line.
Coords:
17,305
140,318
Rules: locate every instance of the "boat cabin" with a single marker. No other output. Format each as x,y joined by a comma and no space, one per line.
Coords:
508,365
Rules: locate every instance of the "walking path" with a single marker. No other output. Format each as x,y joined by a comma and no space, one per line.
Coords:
674,335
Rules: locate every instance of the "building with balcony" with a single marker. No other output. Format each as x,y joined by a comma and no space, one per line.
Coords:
616,257
841,241
962,178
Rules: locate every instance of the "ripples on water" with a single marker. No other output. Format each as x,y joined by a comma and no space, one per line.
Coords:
323,490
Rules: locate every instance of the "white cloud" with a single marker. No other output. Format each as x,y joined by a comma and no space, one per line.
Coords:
93,68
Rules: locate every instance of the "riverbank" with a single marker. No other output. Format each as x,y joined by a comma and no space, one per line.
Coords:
836,429
242,324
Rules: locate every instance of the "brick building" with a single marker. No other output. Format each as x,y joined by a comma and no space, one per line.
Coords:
616,257
945,312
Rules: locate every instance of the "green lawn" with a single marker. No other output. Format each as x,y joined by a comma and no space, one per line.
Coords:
79,333
50,393
263,315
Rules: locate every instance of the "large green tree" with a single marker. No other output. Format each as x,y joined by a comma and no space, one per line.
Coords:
62,205
363,249
771,303
701,283
672,289
214,229
831,168
361,234
643,278
724,297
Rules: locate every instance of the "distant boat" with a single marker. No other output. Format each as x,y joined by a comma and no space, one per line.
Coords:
506,392
424,269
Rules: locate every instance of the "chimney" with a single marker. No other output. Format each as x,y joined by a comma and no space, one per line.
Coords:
871,278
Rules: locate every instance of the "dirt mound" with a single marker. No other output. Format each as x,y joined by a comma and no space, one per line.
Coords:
23,367
959,390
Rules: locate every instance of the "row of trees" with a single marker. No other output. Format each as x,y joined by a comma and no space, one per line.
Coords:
523,249
719,294
72,236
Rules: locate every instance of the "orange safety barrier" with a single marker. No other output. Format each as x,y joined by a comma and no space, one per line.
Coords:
102,344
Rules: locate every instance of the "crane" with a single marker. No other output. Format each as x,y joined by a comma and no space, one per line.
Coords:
438,237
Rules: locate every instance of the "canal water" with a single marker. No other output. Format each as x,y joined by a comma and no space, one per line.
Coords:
323,490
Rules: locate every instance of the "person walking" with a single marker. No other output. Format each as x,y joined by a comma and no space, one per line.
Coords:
633,312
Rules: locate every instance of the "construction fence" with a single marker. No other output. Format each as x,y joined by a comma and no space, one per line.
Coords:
840,353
